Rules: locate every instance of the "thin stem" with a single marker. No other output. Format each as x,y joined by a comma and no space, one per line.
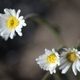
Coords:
38,19
57,76
46,76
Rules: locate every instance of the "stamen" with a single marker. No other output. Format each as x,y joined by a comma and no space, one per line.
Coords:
52,58
71,56
12,22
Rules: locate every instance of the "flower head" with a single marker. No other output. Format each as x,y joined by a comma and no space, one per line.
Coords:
10,22
70,58
49,61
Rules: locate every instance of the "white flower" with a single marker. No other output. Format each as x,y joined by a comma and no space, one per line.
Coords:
49,61
10,22
70,58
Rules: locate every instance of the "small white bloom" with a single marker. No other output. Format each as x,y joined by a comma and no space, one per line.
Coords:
49,61
10,22
70,58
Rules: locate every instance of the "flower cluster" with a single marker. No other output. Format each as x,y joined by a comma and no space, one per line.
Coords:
11,22
69,57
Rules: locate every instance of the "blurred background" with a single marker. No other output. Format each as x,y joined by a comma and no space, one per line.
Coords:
17,56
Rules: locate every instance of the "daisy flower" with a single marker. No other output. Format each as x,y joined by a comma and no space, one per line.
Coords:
11,22
49,61
70,58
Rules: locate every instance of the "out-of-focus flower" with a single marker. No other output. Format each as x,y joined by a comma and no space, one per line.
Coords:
70,58
49,61
10,22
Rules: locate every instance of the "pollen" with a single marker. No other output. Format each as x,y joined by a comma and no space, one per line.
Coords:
12,22
51,58
71,56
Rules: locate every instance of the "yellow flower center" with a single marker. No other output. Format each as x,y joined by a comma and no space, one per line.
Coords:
71,56
12,22
52,58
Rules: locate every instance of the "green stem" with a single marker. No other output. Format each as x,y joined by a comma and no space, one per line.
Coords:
56,76
38,19
46,76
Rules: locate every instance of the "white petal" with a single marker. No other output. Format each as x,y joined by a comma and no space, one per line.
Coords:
22,22
54,71
62,58
74,68
7,11
63,61
63,54
48,52
53,50
12,34
58,62
78,65
78,52
56,54
64,65
19,33
6,36
18,12
41,61
75,50
46,66
66,68
51,72
21,18
2,33
13,12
